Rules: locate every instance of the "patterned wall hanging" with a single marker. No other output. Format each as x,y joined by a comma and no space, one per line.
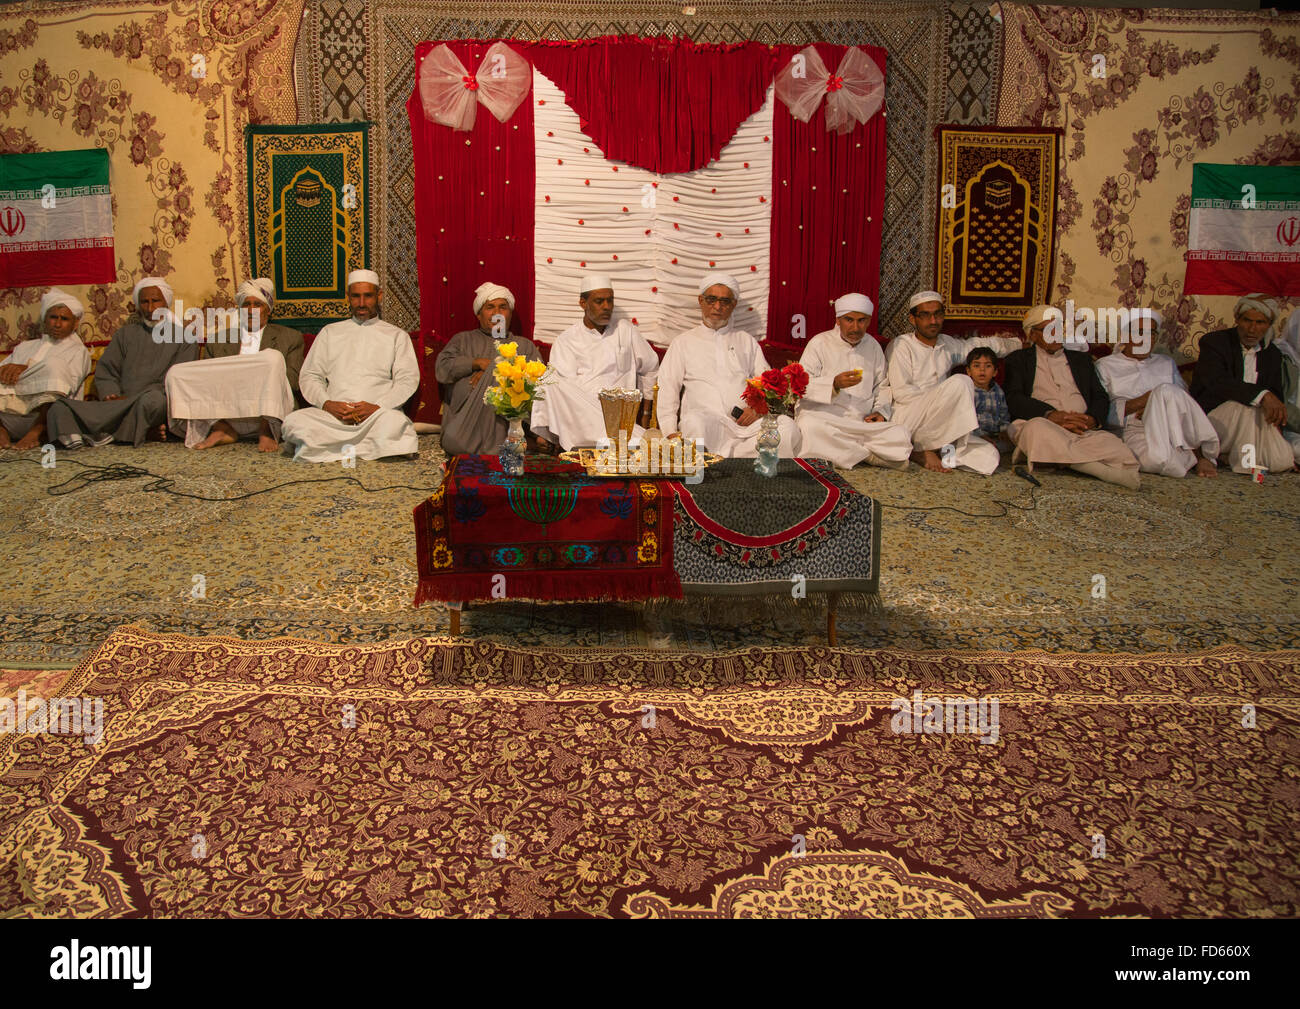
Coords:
995,236
308,216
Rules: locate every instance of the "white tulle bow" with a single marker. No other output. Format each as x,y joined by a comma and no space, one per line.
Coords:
450,95
854,93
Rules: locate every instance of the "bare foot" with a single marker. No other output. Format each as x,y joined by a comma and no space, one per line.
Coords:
221,434
265,443
929,458
28,442
4,439
158,433
1206,468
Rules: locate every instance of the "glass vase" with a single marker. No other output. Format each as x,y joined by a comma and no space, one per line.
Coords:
512,449
769,447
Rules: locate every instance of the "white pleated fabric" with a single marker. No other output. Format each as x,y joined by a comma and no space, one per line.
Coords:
627,225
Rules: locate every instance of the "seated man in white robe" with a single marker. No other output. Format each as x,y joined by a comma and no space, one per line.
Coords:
469,425
935,407
594,353
245,388
1149,403
844,415
40,371
129,377
703,375
357,376
1058,406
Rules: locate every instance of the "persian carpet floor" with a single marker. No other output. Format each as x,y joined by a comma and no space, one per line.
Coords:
1187,564
440,777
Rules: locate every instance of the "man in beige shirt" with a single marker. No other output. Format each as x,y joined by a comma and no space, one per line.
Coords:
1059,406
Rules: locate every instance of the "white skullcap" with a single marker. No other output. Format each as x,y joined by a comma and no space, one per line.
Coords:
921,297
854,303
1038,314
595,282
1255,302
363,277
260,288
54,297
1138,314
491,292
725,279
168,294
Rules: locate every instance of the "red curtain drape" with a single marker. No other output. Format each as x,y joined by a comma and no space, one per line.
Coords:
665,105
473,207
828,203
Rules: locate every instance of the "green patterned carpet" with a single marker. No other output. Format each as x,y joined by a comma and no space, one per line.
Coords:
1188,564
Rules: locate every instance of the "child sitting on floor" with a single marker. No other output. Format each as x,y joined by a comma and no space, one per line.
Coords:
990,402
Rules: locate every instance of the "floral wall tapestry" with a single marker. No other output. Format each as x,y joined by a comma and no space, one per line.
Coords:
1142,96
166,89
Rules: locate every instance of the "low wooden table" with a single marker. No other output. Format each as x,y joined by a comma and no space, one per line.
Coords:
556,534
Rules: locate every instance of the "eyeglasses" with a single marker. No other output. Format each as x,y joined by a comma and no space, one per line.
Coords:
712,300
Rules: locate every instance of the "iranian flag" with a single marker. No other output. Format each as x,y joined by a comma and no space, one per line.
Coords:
56,219
1244,233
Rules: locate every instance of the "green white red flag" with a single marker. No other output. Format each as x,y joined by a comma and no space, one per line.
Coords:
1244,230
56,219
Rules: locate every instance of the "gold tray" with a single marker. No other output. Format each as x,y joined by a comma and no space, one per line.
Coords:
603,462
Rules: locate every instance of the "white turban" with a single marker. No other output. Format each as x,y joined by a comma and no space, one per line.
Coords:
854,303
921,297
725,279
363,277
1038,314
1257,303
491,292
260,288
54,297
595,282
168,294
1135,326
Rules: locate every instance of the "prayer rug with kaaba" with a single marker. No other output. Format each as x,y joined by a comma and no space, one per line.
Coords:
431,777
996,226
308,215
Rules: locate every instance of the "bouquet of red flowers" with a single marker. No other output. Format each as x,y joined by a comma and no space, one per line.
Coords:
776,391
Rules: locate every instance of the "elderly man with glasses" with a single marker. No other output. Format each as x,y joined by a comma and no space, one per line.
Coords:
703,375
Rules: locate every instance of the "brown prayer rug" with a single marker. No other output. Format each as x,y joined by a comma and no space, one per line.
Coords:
996,226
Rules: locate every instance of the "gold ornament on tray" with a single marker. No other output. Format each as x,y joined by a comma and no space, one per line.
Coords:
650,457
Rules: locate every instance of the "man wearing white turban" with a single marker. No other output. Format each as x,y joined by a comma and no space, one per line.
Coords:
245,386
39,371
357,376
597,352
1149,403
937,408
1238,382
703,376
470,426
1059,407
844,415
129,378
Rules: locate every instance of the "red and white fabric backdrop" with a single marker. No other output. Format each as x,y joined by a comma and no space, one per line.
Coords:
653,161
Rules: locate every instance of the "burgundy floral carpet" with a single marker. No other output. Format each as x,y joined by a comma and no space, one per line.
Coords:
433,777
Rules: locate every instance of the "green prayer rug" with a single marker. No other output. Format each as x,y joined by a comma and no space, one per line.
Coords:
308,215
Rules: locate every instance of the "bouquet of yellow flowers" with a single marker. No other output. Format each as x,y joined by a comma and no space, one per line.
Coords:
516,383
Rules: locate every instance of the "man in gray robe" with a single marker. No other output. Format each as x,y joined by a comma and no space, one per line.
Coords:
470,426
132,405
